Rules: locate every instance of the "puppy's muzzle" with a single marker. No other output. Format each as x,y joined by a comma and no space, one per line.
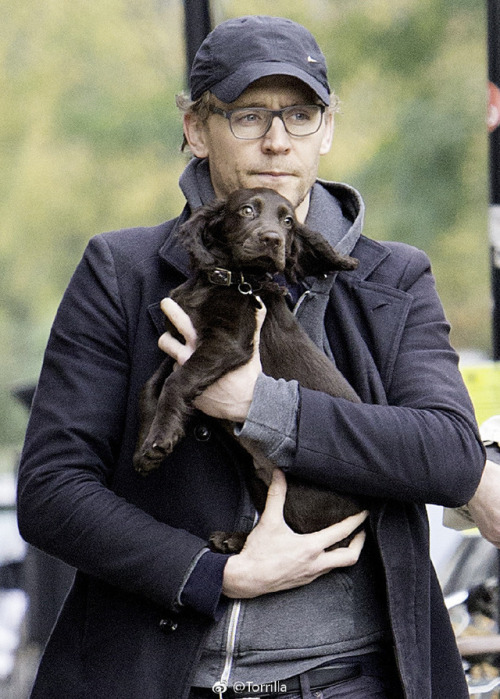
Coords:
266,245
271,240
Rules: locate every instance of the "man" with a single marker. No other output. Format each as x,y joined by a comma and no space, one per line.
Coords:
152,612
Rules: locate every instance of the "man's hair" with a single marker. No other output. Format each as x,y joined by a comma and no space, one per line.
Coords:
201,108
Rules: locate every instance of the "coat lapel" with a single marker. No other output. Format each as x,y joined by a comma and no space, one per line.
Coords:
364,323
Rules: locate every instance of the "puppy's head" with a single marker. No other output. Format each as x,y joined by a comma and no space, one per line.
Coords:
257,229
251,228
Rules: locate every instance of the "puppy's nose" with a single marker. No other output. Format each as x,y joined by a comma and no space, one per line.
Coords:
270,239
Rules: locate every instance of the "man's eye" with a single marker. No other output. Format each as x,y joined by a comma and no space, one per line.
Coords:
300,115
247,118
247,211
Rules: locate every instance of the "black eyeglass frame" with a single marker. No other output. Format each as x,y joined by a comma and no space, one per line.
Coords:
273,113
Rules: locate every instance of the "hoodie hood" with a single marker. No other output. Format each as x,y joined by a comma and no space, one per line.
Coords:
336,210
195,183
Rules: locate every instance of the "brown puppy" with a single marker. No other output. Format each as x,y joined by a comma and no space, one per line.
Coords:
236,247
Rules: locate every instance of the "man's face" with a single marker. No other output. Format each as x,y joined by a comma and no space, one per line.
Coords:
285,163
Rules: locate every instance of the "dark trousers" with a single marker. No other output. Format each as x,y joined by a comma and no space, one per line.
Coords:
373,677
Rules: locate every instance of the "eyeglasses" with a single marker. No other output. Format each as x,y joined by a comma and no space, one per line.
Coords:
249,123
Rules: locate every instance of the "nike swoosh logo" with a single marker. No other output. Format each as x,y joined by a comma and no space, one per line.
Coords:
310,59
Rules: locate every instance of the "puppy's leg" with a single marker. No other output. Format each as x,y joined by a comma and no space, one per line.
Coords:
147,405
167,427
205,366
157,407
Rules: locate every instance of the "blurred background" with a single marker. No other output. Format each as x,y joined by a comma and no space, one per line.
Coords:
90,141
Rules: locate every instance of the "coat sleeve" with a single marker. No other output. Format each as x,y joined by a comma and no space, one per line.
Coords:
423,446
66,503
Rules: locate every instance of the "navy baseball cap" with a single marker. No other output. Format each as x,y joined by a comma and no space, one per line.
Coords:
242,50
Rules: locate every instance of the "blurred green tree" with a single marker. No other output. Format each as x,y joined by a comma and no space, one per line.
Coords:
90,140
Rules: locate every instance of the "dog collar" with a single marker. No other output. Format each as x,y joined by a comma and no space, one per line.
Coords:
221,277
249,285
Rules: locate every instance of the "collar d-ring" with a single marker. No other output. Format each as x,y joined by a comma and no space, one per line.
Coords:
244,287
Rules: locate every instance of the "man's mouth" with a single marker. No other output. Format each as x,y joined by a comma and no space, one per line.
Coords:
275,174
272,174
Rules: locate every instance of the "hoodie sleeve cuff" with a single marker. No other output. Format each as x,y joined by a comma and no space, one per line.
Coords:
271,424
202,590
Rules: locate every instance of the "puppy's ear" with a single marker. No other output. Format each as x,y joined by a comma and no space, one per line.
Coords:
197,235
312,254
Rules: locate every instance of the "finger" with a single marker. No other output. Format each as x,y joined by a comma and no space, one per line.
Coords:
336,532
260,316
260,313
275,501
179,320
174,348
346,555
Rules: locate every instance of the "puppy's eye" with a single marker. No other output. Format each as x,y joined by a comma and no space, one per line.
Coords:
247,211
288,221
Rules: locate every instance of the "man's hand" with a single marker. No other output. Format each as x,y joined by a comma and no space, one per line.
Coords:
275,558
230,397
485,504
167,342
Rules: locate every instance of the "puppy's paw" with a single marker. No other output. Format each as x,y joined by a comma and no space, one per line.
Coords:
147,461
150,455
227,542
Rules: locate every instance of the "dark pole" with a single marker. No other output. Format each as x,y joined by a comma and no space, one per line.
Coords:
494,151
494,156
197,25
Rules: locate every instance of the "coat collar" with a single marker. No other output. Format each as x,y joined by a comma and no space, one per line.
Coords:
173,253
370,254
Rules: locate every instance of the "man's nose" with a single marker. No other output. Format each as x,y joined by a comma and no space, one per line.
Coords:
277,138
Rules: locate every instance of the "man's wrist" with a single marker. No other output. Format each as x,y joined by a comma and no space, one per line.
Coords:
238,582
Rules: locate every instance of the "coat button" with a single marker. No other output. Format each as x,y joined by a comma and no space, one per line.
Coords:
168,625
202,433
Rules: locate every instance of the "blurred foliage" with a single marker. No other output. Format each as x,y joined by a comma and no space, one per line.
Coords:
89,139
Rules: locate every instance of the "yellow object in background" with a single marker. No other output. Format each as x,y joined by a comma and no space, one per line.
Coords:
483,384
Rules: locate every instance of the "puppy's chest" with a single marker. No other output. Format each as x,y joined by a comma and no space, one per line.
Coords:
210,307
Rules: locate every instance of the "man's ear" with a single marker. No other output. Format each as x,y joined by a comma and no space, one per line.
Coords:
326,142
194,131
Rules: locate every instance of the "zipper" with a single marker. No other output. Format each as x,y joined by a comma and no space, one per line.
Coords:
300,301
221,686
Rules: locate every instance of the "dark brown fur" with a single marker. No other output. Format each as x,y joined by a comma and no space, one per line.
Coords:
253,233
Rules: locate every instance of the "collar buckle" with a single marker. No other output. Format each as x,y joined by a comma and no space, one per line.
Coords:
220,276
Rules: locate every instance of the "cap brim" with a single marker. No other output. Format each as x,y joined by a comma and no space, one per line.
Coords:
229,89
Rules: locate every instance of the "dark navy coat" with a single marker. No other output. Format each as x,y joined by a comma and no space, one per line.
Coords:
132,539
